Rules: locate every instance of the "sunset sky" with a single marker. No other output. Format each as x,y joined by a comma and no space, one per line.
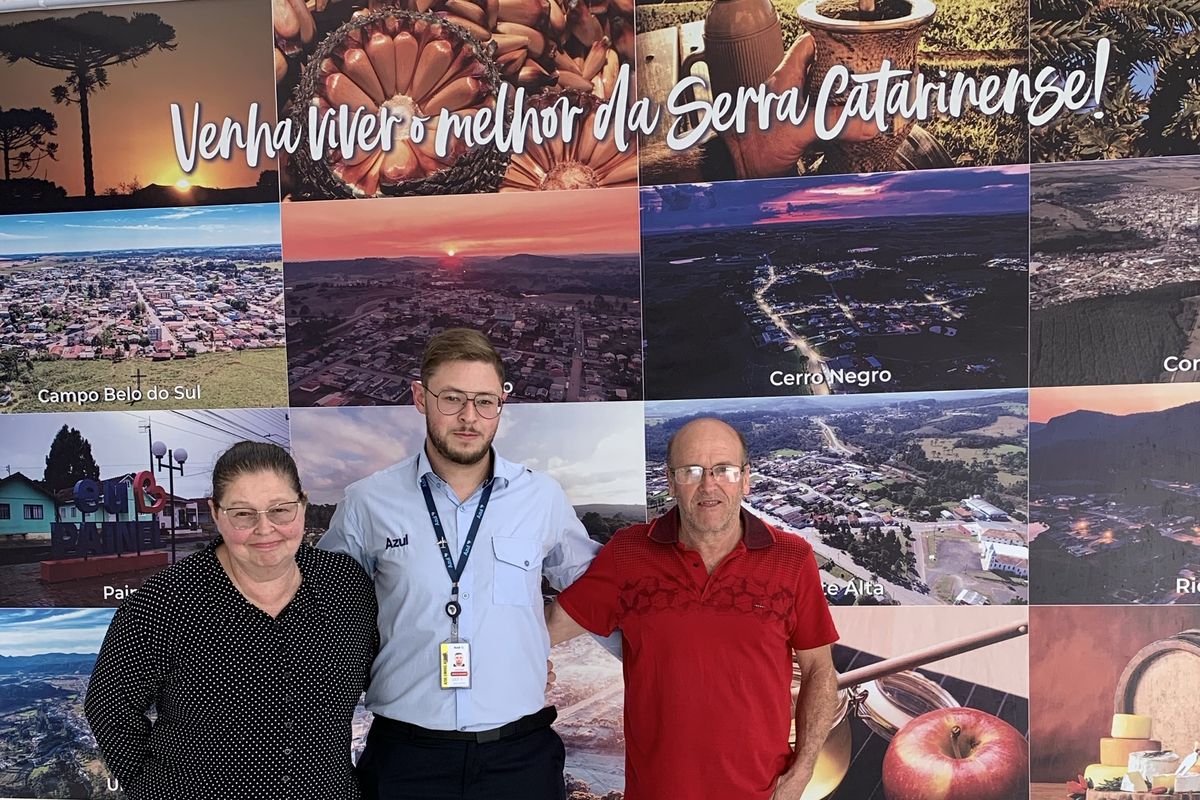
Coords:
542,223
1048,403
990,190
223,59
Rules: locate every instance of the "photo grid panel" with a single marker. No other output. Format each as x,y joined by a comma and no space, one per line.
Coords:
1010,569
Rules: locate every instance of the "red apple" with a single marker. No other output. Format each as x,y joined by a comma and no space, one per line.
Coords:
957,754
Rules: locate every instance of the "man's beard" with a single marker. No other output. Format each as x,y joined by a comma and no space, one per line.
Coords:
465,458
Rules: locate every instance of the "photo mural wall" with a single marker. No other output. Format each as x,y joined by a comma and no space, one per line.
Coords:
937,260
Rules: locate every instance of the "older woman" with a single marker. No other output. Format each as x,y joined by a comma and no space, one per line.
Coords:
253,653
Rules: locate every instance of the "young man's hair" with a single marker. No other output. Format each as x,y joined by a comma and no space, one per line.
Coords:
459,344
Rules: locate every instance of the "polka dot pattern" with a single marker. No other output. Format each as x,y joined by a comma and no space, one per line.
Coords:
245,706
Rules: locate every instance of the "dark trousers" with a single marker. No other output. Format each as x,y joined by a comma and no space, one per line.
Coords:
399,765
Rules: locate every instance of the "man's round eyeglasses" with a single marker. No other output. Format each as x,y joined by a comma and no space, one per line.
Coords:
452,401
245,519
694,473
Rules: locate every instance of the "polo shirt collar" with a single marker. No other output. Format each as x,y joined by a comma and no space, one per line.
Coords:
755,533
503,470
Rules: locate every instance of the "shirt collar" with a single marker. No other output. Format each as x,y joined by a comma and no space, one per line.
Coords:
755,533
503,470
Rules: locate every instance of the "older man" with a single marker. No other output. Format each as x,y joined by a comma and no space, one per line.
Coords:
713,605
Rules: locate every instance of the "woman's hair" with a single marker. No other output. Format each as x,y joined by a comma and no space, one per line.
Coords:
247,457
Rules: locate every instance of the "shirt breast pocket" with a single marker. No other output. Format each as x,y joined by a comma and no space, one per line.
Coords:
518,567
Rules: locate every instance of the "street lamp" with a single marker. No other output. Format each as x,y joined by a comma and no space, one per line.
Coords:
175,459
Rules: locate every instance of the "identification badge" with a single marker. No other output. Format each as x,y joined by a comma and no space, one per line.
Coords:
456,665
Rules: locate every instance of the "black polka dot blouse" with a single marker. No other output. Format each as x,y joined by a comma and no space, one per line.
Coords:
245,706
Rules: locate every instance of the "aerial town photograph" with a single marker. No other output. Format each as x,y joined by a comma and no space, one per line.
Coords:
367,284
909,499
148,308
46,746
1121,525
868,283
1115,272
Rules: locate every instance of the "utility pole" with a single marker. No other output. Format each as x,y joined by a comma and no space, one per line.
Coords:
145,426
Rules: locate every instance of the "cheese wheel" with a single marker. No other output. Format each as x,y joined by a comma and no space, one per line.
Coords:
1103,773
1187,783
1153,763
1116,752
1130,726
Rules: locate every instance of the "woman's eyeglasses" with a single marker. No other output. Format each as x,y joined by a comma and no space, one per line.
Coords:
245,519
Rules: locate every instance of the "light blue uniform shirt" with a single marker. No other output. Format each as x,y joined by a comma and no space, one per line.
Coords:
528,530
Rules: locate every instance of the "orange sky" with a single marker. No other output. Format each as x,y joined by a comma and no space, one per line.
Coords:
223,58
1045,404
547,223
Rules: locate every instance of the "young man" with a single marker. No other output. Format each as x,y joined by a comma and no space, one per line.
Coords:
713,605
458,539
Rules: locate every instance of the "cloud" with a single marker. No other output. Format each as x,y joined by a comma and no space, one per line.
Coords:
140,227
184,213
336,447
25,632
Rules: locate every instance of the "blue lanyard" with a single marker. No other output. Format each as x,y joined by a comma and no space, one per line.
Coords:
455,571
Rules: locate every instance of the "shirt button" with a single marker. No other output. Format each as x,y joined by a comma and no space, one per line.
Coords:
287,751
284,778
466,596
696,564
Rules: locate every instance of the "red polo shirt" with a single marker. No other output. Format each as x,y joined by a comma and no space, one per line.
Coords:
707,658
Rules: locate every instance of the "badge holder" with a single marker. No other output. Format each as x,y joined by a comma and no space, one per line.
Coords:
454,654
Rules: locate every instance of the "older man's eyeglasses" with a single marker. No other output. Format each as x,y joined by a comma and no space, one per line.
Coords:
245,519
452,401
694,473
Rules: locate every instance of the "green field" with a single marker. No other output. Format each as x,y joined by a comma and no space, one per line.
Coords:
943,449
1009,480
787,452
1004,426
246,379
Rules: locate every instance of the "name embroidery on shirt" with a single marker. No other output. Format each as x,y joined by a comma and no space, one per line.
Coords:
399,541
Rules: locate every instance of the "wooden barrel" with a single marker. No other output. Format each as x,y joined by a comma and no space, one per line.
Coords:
1162,681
